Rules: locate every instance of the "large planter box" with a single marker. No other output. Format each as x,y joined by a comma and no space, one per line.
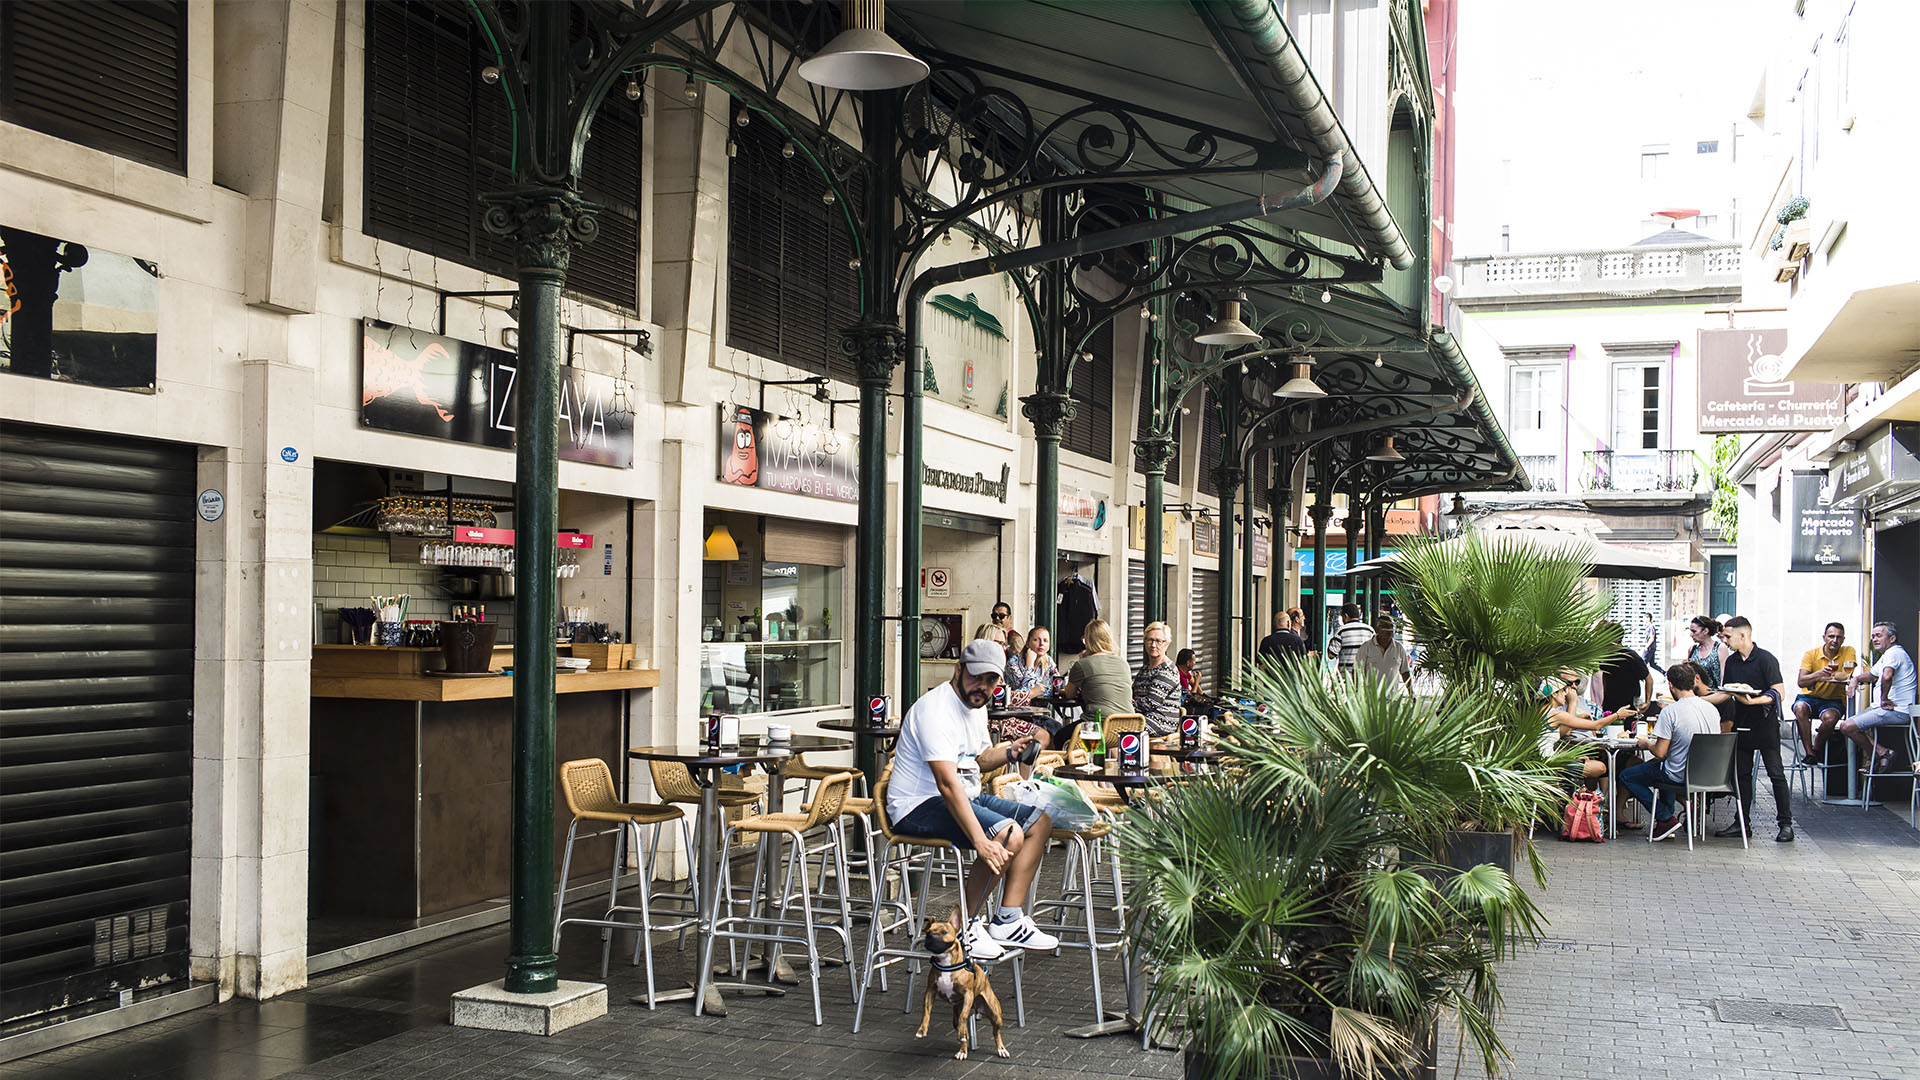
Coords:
1466,850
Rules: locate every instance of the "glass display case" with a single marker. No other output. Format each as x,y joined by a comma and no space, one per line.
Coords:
770,637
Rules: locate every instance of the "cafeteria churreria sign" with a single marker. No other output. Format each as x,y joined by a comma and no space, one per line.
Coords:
418,383
968,483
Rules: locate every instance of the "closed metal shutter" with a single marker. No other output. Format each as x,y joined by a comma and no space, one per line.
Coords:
1204,627
96,696
1136,612
109,74
1638,606
1090,432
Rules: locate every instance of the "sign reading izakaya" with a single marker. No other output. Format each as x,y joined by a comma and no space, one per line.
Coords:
778,453
424,384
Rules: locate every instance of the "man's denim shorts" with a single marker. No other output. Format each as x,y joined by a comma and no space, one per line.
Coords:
932,819
1821,704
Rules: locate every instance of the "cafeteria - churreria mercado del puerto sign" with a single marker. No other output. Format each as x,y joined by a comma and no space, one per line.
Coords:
418,383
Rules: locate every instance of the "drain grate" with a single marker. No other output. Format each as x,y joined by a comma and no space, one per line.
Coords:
1777,1014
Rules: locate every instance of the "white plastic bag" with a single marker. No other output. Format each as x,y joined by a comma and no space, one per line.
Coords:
1063,802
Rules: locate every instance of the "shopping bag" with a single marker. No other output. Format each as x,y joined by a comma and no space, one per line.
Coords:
1063,802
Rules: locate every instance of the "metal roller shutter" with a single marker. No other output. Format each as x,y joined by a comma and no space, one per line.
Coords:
96,696
1136,612
1204,628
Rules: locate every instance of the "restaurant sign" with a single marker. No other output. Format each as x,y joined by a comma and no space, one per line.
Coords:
1262,549
1743,386
1885,466
779,453
1826,539
1206,537
418,383
77,314
1082,519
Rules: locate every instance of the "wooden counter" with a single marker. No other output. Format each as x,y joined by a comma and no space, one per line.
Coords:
447,688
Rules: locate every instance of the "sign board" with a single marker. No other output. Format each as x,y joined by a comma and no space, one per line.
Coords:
1137,531
1743,386
418,383
1825,539
76,314
938,582
1886,463
1082,519
777,453
1206,537
1262,549
974,483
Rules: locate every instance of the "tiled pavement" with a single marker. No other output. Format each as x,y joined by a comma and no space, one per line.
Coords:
1644,941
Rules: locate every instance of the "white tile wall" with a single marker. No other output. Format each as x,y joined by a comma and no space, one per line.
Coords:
349,569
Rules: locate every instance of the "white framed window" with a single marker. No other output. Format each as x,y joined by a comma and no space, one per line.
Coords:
1639,406
1653,160
1536,421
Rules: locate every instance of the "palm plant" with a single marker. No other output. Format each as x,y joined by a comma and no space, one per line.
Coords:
1495,615
1290,901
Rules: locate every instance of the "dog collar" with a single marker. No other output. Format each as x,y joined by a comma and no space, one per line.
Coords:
946,968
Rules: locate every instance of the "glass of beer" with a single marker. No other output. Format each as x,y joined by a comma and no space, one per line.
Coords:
1090,738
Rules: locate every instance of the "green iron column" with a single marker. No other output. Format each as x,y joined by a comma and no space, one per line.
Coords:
1376,537
1227,480
1321,512
1050,409
1249,619
1351,524
1155,454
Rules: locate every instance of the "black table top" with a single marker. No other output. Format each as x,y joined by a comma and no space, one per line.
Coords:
861,727
1119,779
1198,753
752,749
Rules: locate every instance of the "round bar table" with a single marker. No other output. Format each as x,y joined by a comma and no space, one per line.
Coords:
705,766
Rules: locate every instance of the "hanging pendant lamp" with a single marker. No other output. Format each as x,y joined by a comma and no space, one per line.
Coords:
720,546
1226,328
863,57
1301,385
1383,450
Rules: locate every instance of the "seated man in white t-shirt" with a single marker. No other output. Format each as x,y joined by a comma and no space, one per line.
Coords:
935,792
1672,736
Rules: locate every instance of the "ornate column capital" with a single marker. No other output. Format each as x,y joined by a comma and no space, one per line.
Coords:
1155,453
1228,478
876,347
1050,411
545,222
1321,513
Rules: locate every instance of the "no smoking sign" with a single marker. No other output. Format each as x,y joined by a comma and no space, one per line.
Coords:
937,577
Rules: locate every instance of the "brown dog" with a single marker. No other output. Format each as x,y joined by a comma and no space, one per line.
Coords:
961,981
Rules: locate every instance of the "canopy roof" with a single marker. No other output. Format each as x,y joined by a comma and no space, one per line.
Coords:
1608,560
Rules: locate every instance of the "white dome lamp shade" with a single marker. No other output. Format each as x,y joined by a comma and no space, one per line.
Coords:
1383,450
1225,328
863,57
1302,384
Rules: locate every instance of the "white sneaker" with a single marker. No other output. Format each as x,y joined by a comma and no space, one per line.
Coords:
980,943
1022,934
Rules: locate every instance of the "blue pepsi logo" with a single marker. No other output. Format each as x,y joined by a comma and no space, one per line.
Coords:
1130,742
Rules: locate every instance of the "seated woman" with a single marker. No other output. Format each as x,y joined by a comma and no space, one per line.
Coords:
1098,680
1156,688
1189,664
1564,713
1029,667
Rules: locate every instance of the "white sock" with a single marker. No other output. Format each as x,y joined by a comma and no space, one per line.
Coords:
1007,915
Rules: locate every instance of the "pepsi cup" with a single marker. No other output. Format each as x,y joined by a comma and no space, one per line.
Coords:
713,732
877,711
1189,732
1000,696
1059,680
1132,751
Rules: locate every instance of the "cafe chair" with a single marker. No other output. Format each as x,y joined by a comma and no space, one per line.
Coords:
858,860
1895,770
1807,773
587,786
771,923
899,850
1710,760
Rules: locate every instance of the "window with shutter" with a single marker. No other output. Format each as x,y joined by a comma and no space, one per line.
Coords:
437,138
790,288
1091,432
111,74
1210,446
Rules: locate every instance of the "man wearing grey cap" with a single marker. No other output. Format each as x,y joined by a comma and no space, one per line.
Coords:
935,791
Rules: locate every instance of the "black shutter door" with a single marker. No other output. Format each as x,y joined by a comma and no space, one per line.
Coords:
110,74
1203,626
96,696
1136,613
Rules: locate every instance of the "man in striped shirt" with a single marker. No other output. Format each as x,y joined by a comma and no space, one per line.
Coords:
1354,632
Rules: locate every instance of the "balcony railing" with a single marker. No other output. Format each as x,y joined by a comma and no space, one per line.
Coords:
1678,268
1543,470
1640,470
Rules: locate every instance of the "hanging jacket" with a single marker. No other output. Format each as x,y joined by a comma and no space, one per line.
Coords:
1075,607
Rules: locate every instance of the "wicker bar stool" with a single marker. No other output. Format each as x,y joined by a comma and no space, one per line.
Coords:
587,785
900,849
778,929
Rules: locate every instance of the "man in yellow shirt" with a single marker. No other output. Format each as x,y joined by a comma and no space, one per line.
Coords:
1823,674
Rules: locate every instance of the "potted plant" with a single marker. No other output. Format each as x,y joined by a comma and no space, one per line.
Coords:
1495,615
1291,902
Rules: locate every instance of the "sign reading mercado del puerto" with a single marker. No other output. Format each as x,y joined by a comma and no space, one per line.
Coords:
1743,386
418,383
780,453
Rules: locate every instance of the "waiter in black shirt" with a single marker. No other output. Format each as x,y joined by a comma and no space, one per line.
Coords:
1621,677
1283,642
1756,723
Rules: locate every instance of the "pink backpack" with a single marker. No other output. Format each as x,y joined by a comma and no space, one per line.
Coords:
1583,818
